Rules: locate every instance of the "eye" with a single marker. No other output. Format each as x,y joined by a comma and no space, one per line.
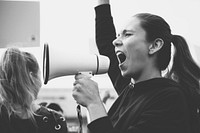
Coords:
128,34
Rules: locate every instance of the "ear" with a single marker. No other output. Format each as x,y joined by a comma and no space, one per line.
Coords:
156,46
31,76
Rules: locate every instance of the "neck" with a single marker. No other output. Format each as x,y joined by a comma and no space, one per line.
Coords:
22,113
35,107
148,74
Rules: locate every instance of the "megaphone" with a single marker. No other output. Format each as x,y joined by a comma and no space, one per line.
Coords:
57,63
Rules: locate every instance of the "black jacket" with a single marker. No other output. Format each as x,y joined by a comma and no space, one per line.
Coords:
153,106
47,120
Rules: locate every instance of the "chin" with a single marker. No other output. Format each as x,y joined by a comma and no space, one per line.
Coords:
128,74
125,74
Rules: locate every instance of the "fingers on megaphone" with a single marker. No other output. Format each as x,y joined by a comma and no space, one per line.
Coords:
81,75
77,83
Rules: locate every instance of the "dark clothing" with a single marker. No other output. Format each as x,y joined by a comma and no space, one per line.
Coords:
47,120
154,106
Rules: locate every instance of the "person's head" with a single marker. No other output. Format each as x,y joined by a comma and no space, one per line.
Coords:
55,107
143,49
44,104
19,79
143,45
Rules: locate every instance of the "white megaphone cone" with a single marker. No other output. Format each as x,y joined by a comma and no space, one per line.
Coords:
57,64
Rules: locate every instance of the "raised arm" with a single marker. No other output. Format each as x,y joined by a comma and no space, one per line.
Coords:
105,34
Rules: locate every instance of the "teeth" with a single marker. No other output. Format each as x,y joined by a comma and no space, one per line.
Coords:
121,56
118,53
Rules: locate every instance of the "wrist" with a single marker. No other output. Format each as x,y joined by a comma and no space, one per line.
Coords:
96,111
101,2
103,11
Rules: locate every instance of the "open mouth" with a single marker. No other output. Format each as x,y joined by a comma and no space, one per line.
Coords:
121,56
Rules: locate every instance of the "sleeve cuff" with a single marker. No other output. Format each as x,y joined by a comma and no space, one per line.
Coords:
100,125
103,10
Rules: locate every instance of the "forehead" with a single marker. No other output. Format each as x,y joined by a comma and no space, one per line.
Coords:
133,24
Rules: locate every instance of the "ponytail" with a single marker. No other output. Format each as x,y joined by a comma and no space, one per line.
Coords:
187,73
185,70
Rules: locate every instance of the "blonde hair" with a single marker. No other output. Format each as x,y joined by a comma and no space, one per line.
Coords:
19,82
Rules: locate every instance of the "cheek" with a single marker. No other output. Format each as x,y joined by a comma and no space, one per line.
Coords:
38,82
138,55
138,51
137,61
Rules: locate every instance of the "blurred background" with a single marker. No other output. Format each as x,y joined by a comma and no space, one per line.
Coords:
69,25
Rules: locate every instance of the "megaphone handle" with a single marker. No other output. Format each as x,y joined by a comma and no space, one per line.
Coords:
78,108
80,118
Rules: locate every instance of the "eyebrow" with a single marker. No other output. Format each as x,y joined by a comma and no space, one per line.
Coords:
124,31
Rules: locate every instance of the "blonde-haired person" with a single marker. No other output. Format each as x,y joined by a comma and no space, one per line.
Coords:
20,83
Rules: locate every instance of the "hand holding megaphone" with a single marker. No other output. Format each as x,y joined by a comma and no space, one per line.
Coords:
85,90
86,93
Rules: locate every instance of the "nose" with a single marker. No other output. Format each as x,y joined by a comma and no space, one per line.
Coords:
117,42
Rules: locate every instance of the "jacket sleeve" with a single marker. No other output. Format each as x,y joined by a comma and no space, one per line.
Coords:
105,34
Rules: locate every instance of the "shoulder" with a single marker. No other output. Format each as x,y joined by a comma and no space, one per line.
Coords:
50,114
171,97
4,120
171,94
3,113
167,87
50,120
165,91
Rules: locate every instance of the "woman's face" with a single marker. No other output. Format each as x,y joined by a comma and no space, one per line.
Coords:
132,49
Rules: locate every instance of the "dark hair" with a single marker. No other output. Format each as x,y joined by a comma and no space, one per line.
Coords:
44,104
157,27
184,69
55,107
